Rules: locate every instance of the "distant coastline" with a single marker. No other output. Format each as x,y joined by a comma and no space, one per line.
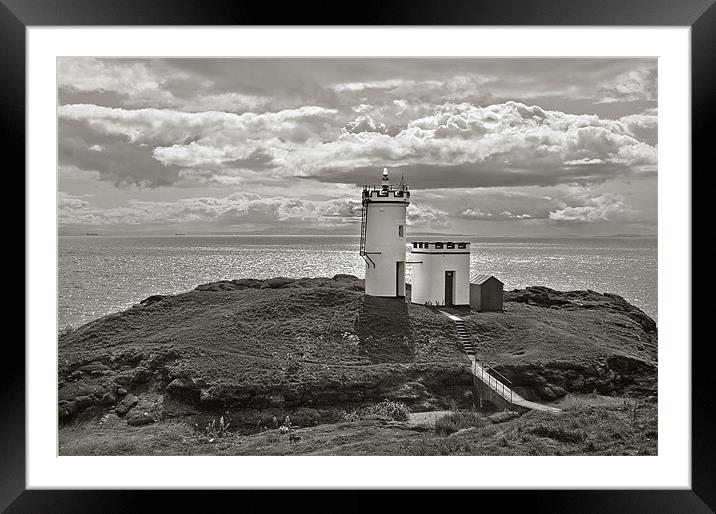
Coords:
410,236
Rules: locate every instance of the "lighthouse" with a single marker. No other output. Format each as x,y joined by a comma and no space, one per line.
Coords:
382,241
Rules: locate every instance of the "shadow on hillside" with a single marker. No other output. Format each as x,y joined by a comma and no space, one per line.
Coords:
383,328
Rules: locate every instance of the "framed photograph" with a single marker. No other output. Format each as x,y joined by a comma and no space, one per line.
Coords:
434,248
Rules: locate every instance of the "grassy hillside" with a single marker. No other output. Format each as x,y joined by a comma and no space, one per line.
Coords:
258,348
253,350
549,342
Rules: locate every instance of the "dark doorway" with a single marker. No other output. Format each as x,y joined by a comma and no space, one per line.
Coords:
400,279
448,287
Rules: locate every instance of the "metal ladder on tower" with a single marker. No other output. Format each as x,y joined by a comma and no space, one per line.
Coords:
363,230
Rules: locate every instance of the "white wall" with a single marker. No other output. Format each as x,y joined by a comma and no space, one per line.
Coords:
428,282
382,224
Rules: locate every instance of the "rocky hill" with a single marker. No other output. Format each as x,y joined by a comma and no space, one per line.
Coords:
255,349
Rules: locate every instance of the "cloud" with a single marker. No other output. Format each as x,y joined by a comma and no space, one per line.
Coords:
562,204
227,102
478,214
460,144
604,207
150,82
135,143
643,126
164,126
234,209
365,124
504,144
126,77
583,162
481,139
632,85
455,88
70,172
68,202
120,162
425,217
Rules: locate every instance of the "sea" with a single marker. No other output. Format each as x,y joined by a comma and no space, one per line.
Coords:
101,274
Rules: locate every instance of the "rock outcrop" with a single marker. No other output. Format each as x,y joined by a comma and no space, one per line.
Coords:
591,300
340,281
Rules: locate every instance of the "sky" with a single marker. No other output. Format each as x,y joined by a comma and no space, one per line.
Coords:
489,147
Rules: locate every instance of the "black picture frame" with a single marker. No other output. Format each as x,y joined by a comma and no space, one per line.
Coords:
17,15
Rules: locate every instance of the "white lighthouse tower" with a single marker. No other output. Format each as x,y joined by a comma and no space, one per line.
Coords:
382,241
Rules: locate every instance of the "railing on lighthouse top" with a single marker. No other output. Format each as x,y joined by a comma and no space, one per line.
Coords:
385,189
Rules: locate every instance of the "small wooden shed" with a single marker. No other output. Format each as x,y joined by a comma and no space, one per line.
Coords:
486,293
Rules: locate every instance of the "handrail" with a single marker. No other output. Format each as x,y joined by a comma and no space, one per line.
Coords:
498,386
490,367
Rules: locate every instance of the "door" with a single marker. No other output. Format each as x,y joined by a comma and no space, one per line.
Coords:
449,276
400,278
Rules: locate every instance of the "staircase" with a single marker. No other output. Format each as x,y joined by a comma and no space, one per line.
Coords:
490,377
463,338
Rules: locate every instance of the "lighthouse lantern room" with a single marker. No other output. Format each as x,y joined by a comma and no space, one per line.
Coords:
382,241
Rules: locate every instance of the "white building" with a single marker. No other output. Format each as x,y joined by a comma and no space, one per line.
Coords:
382,243
441,273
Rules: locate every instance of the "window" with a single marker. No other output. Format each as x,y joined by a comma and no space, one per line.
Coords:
400,231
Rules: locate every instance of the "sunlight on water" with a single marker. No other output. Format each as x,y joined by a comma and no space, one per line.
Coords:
103,274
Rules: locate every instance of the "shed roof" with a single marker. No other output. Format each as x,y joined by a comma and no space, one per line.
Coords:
481,279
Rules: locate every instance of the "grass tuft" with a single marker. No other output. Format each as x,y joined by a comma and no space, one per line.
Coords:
396,411
457,420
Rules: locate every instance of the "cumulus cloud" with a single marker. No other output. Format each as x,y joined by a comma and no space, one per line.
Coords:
365,124
508,127
604,207
149,146
493,145
509,142
643,126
